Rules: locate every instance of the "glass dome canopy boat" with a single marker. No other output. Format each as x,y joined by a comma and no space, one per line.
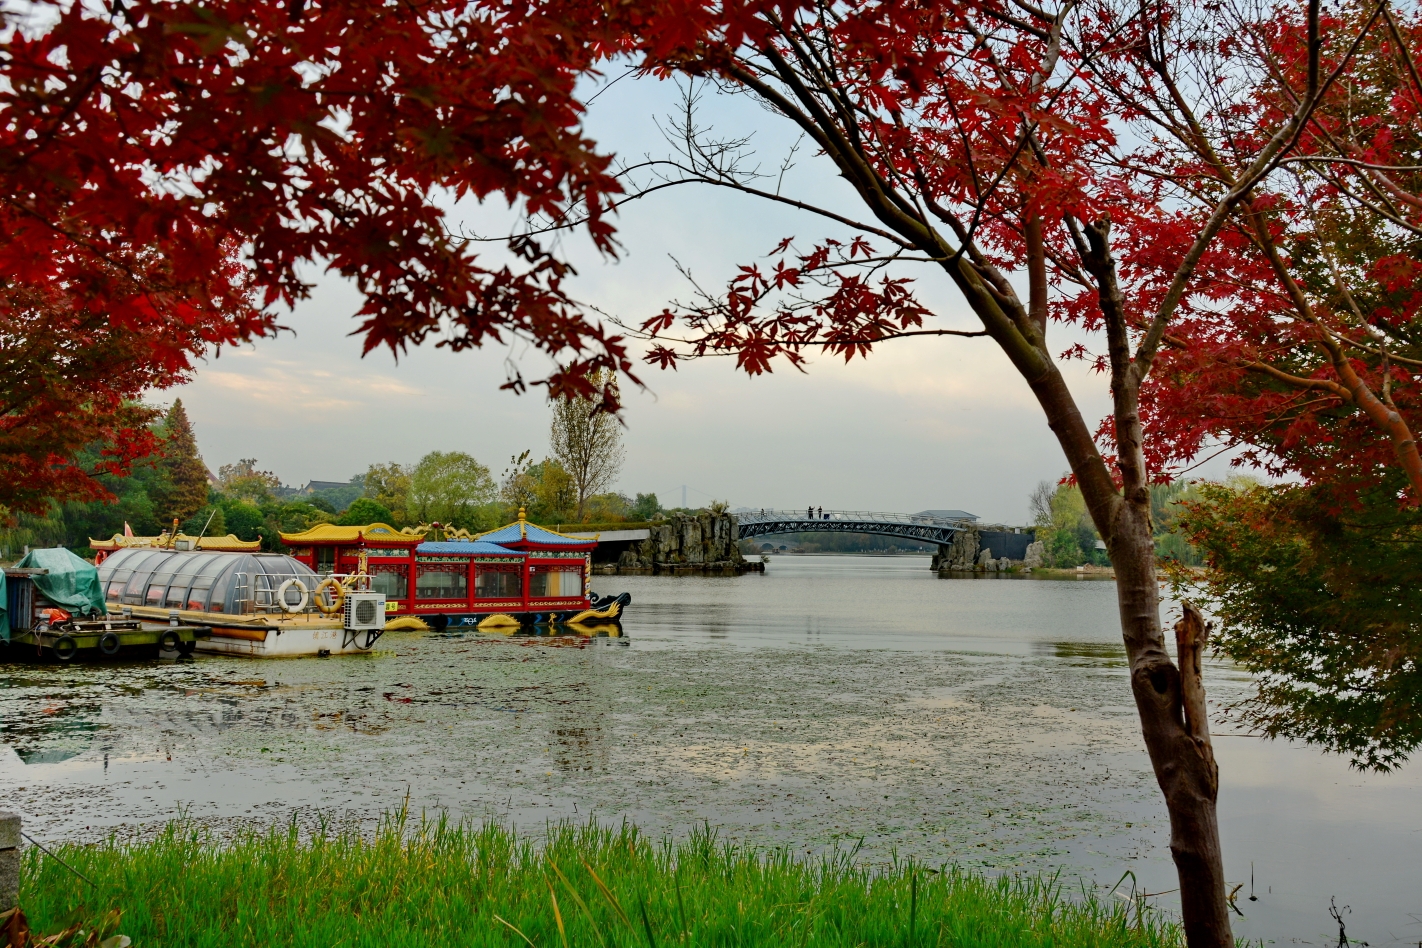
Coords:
238,595
228,583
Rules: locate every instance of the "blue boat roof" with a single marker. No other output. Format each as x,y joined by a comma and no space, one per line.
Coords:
522,530
467,547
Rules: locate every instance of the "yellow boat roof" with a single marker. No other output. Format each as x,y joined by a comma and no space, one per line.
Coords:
227,544
370,533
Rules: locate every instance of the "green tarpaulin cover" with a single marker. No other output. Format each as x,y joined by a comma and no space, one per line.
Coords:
72,582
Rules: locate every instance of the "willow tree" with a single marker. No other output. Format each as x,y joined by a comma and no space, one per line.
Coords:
587,439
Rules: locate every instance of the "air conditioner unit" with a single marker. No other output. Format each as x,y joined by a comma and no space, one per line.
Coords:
365,610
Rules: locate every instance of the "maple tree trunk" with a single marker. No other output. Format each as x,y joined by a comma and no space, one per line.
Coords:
1187,774
1169,700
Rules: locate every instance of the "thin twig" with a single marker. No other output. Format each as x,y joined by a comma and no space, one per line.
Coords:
56,858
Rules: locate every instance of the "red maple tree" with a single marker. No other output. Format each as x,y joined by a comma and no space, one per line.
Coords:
1306,354
77,351
147,149
1009,146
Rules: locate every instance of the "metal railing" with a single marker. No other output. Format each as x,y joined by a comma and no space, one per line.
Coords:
859,516
766,521
258,592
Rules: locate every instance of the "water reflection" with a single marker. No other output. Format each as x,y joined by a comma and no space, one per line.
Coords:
581,749
56,731
1092,654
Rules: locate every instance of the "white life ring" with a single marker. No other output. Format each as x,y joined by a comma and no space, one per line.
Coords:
281,596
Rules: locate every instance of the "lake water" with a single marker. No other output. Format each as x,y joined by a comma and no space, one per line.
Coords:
834,701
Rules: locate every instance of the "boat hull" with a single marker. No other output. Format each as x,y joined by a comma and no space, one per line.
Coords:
275,636
307,634
606,611
286,642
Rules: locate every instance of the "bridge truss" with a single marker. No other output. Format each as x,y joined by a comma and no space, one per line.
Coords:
908,526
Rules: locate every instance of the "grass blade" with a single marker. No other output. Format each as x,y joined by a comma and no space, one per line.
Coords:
913,902
607,893
647,924
592,919
557,915
515,930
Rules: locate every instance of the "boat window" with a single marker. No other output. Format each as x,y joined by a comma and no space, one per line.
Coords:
390,580
498,583
232,587
211,564
155,594
197,596
555,583
133,589
117,581
442,580
178,588
146,561
142,564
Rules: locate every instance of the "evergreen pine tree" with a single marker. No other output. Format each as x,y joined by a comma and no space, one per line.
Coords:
184,475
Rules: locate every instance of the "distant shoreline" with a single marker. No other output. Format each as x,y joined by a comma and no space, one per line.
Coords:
1036,572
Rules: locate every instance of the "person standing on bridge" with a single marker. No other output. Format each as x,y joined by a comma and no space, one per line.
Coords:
822,513
809,513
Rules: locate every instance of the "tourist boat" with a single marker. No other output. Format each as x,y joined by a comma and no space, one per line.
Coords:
261,604
520,575
342,587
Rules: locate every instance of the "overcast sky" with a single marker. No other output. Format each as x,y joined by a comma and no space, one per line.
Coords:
927,423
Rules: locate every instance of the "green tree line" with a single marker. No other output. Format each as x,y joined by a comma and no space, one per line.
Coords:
1069,539
452,488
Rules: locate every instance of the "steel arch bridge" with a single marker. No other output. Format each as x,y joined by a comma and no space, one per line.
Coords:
907,526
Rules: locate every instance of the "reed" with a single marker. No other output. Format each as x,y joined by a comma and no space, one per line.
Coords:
440,883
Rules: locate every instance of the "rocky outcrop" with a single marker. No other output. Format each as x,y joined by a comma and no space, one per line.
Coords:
1035,552
966,554
960,555
704,542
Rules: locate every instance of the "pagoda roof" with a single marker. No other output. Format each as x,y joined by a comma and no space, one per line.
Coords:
467,547
227,544
372,534
522,535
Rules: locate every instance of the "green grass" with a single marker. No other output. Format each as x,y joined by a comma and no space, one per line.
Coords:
445,884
